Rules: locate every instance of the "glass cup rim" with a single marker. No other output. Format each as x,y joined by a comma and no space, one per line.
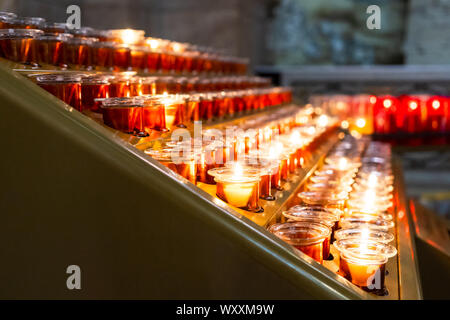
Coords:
29,33
373,234
59,78
375,252
226,174
55,36
96,79
7,15
34,20
322,232
317,211
121,102
165,154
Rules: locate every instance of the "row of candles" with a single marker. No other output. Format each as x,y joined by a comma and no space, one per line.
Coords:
139,105
347,202
409,116
33,40
247,165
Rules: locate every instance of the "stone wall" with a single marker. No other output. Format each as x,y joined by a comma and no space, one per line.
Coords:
335,32
428,36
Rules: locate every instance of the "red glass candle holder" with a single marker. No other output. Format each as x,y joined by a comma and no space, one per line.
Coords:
135,86
153,116
124,114
78,52
168,61
92,88
307,237
163,85
218,107
228,103
124,85
193,107
112,56
153,61
138,58
385,115
50,48
103,55
148,85
238,102
411,116
249,99
206,106
191,85
27,23
66,87
179,64
210,154
19,45
121,57
189,62
180,162
6,19
181,85
174,108
437,117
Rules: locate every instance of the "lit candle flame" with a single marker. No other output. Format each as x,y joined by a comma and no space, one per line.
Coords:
323,120
343,164
237,171
372,181
387,103
436,104
153,43
295,137
130,36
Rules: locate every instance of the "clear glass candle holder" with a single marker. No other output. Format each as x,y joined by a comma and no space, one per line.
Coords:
365,233
363,262
325,199
366,221
266,168
238,187
305,236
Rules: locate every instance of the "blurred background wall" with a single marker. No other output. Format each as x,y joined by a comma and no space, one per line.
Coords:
276,31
